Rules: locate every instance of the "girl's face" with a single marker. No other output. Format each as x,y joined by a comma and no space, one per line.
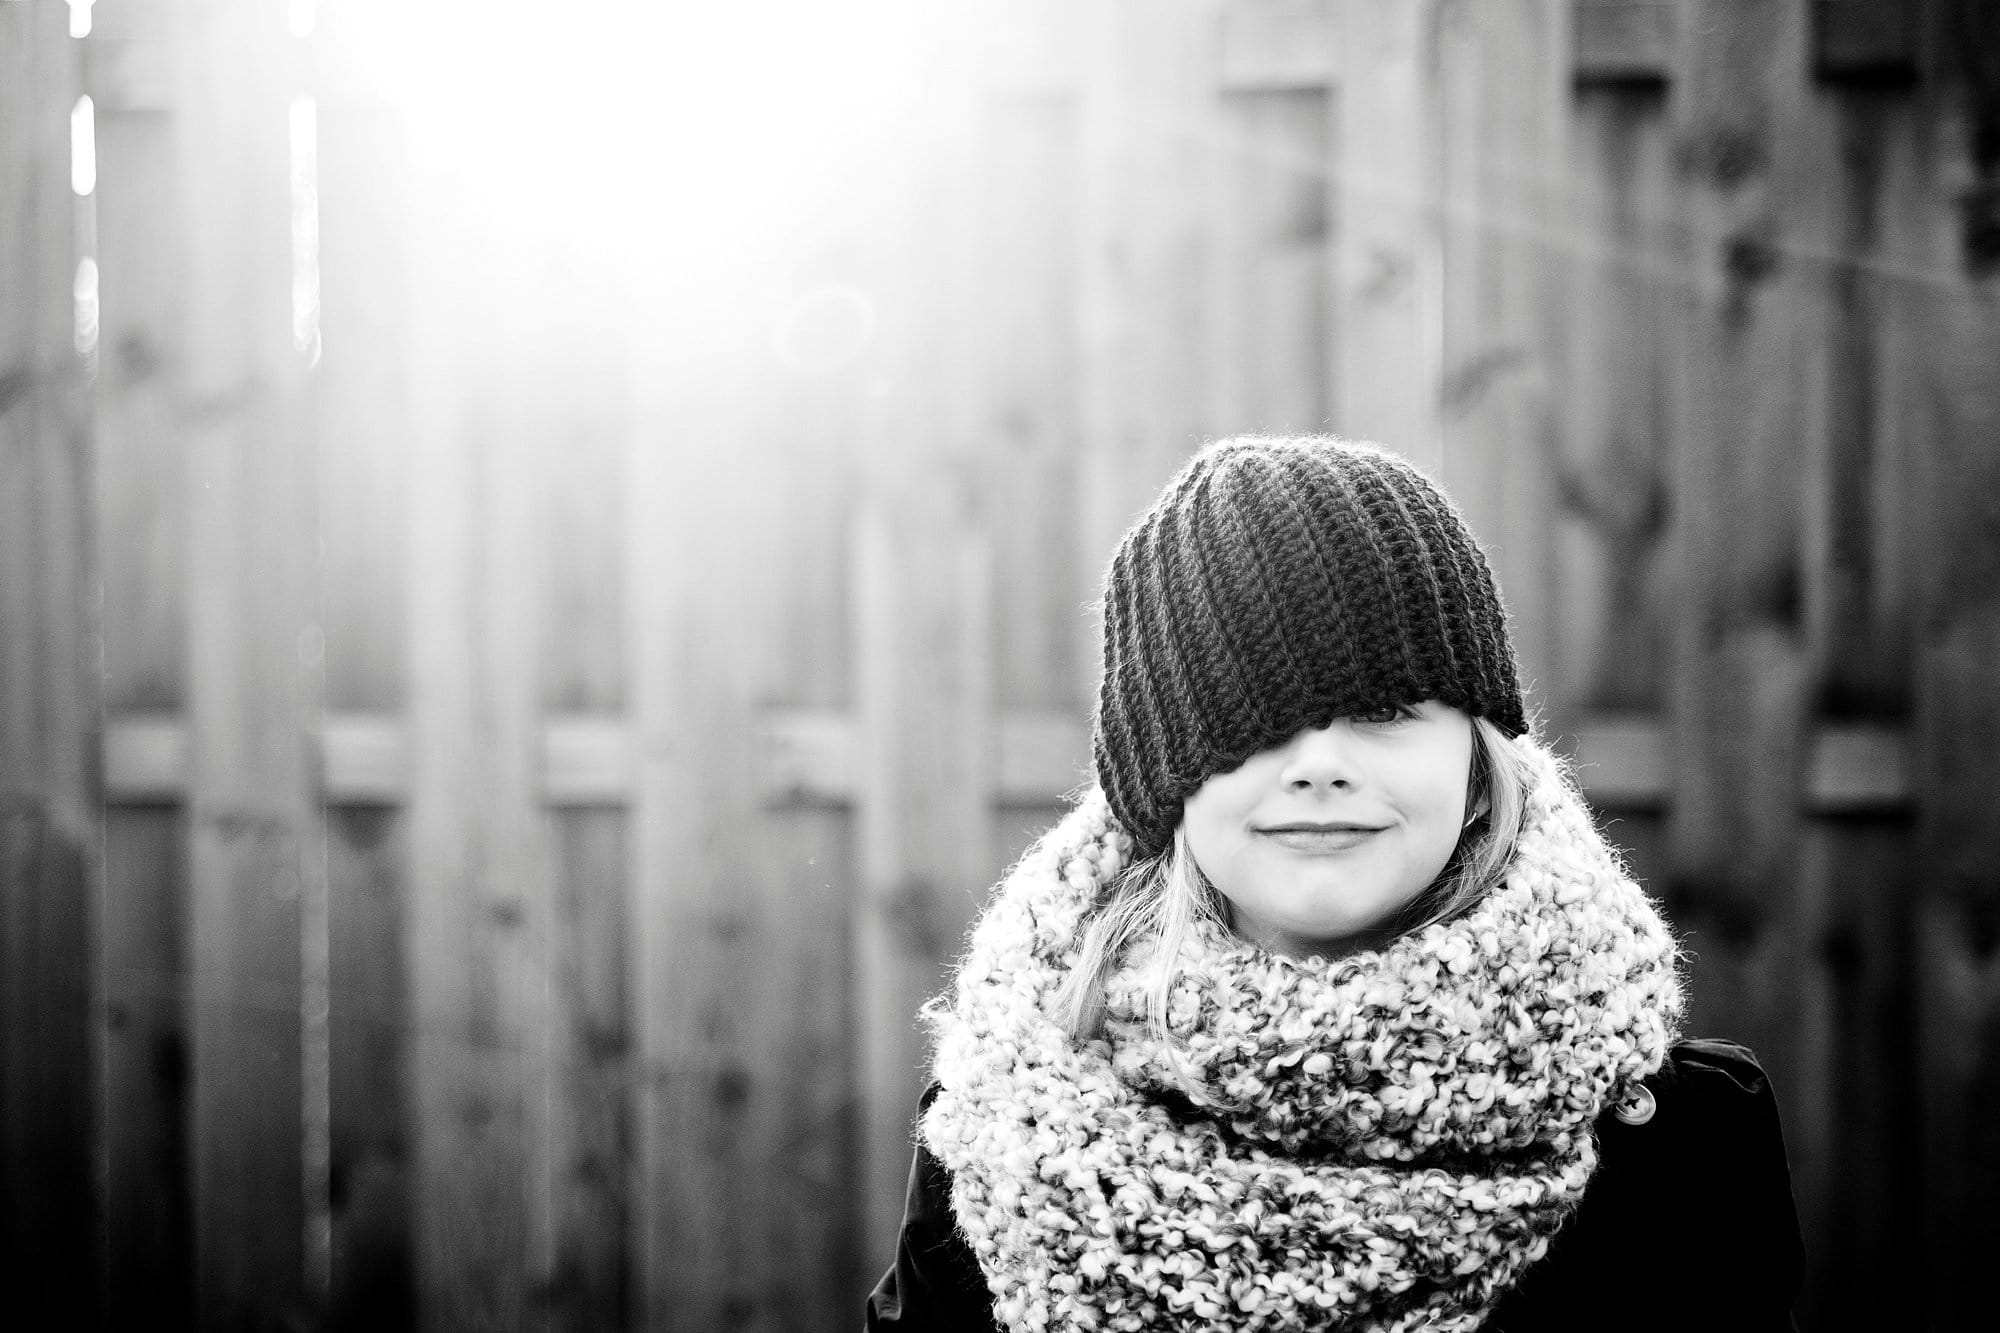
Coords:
1317,842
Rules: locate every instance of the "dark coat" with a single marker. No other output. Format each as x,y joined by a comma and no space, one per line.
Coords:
1688,1224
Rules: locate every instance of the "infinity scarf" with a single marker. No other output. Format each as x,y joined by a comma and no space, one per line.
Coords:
1383,1141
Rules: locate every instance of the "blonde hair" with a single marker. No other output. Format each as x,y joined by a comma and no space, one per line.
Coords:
1165,897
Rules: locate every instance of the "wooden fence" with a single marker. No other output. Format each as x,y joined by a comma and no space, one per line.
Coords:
497,739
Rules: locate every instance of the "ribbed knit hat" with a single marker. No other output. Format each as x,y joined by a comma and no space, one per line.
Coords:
1275,585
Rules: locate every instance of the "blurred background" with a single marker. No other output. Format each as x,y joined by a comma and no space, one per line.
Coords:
546,561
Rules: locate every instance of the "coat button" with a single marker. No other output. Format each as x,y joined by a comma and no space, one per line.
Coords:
1638,1106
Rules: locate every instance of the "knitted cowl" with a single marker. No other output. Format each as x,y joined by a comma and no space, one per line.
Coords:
1384,1141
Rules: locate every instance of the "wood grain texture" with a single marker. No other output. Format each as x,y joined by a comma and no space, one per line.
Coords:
148,1196
923,606
1500,100
1857,599
49,1211
1853,1132
362,422
255,837
685,1229
364,384
140,435
579,417
739,1000
1148,150
139,535
1857,1001
1029,382
809,1259
590,1072
1611,484
1389,252
1741,668
1947,409
371,1279
1269,348
477,944
582,424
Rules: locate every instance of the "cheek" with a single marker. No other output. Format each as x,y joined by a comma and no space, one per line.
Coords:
1437,795
1435,812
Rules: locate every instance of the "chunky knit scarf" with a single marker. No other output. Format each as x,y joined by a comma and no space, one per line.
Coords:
1384,1141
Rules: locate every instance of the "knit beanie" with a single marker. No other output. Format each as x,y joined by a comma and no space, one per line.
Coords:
1275,585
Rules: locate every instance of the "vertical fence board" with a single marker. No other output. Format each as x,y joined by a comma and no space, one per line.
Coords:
806,395
799,1036
1855,611
1948,409
372,1284
722,1001
1147,161
1897,282
253,827
580,412
48,1207
1857,1005
1958,925
363,427
149,1255
590,1148
694,899
1027,350
1388,340
685,1149
1271,354
1855,1136
1500,94
823,1263
825,326
920,574
585,395
1609,482
141,451
477,942
140,514
467,1163
923,616
1741,674
363,401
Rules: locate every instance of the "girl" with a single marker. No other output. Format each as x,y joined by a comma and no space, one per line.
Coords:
1327,1007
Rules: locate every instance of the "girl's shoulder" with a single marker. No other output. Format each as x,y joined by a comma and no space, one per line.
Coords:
1711,1101
1691,1205
1700,1060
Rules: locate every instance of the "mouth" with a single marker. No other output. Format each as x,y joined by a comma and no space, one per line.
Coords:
1320,838
1304,827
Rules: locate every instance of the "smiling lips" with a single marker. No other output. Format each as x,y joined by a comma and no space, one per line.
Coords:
1309,837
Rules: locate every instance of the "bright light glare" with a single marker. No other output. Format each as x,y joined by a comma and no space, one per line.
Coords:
303,14
83,295
79,17
83,146
675,125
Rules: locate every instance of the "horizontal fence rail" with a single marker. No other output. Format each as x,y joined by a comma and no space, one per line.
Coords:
813,756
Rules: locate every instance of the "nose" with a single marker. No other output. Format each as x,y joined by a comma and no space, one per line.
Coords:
1321,758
